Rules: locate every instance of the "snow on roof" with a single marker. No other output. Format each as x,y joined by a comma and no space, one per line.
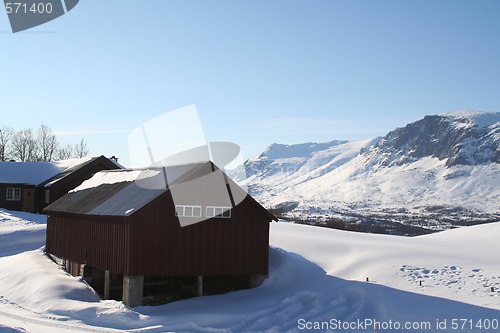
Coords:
34,173
112,177
124,191
150,178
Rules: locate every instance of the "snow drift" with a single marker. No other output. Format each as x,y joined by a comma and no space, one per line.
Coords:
317,275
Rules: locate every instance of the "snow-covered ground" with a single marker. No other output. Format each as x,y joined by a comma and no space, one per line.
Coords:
317,278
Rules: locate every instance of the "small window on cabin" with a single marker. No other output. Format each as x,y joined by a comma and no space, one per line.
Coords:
47,196
13,194
218,212
187,211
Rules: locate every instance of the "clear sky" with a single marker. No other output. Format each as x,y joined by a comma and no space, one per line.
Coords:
259,71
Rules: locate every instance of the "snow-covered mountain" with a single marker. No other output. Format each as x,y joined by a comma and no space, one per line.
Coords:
435,173
289,165
460,138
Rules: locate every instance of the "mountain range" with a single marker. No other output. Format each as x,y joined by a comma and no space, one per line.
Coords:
436,173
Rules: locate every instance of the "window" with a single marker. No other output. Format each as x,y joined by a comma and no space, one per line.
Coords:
47,196
220,212
13,193
187,211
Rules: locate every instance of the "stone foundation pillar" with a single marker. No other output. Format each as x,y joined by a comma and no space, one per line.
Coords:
133,290
200,285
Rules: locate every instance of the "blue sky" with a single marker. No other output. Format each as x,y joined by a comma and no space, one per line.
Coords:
259,71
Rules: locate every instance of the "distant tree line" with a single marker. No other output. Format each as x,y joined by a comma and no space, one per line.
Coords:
40,145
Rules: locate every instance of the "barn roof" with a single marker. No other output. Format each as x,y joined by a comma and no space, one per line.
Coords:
122,192
35,173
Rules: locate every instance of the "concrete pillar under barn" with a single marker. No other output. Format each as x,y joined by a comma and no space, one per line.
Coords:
200,285
106,284
133,290
257,279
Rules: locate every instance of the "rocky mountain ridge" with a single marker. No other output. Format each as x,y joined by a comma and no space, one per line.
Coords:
436,173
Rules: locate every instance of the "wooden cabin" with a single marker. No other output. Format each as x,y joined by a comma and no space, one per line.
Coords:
157,224
30,186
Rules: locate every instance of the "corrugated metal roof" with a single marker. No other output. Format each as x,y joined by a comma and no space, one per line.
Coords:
122,199
112,192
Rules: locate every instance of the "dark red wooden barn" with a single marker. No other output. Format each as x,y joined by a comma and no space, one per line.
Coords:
177,221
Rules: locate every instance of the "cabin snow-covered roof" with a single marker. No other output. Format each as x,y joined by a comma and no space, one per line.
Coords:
35,173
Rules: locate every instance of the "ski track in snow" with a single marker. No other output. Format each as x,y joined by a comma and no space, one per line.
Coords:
29,318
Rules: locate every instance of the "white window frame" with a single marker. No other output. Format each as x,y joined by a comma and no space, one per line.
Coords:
187,211
13,194
218,212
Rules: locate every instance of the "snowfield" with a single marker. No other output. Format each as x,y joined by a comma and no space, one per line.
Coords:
317,283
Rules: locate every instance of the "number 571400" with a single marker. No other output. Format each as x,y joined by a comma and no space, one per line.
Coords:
22,8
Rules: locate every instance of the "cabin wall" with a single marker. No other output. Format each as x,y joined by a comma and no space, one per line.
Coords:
13,204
